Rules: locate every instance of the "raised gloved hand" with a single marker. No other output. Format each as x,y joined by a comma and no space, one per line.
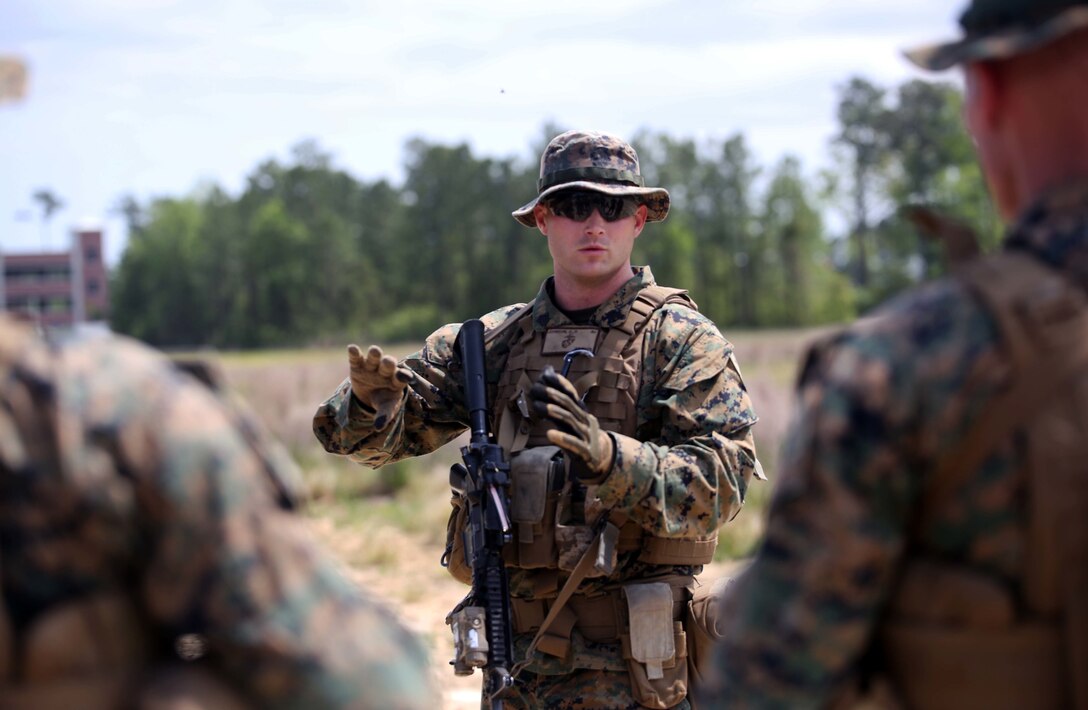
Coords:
378,382
578,431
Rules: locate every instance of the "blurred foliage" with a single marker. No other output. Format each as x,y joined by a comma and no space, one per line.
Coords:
310,254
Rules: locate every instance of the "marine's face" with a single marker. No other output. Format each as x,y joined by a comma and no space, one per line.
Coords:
591,251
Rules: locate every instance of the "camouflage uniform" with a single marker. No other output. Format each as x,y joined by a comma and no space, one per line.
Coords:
683,480
130,490
880,403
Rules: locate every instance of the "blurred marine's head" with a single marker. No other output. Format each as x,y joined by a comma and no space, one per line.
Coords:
1025,64
1000,29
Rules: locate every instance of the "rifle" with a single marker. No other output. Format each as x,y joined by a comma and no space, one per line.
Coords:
483,481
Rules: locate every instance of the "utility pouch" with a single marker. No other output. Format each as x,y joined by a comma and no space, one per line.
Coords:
453,559
573,539
655,646
536,475
704,624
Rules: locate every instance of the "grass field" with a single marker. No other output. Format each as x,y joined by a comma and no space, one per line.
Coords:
388,526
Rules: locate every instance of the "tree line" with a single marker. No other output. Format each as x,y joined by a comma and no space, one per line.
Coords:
308,254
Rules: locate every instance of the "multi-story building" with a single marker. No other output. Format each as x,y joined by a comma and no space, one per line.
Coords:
59,289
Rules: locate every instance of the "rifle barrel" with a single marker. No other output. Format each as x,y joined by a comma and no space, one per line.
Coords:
472,358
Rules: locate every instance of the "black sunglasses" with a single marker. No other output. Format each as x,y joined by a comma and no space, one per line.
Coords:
578,205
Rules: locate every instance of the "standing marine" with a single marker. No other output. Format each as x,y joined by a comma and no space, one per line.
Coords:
927,544
657,440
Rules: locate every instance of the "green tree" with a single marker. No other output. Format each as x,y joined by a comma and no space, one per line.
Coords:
863,141
801,286
156,293
933,164
910,151
711,191
458,234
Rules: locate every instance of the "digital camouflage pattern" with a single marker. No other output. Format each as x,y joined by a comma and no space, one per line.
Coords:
684,481
879,404
580,690
588,160
999,29
121,475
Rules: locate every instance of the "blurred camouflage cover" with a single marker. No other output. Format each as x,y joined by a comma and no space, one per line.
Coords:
122,475
879,404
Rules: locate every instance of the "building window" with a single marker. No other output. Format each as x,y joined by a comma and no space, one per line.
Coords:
57,305
90,254
36,274
92,285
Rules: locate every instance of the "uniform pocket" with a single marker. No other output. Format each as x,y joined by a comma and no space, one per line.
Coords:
535,476
655,647
703,623
454,558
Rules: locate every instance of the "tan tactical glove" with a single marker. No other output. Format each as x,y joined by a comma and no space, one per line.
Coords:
378,382
578,431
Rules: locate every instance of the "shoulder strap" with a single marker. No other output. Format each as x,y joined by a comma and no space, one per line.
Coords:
660,295
511,321
649,300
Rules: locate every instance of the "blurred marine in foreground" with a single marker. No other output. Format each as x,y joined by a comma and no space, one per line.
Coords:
150,557
927,546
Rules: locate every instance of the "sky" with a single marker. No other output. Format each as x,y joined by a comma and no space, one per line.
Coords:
157,98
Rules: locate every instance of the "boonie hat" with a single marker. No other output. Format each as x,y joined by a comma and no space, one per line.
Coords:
999,29
587,160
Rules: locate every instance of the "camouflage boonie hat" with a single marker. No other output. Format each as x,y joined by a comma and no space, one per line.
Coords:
587,160
999,29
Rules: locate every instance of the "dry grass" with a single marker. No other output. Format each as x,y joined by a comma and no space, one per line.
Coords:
388,527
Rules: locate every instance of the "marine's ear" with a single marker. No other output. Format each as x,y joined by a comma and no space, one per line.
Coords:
541,214
985,99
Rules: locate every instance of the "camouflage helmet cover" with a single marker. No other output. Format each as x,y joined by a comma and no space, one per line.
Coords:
588,160
999,29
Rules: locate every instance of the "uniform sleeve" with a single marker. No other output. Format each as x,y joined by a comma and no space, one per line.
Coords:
220,555
432,413
691,478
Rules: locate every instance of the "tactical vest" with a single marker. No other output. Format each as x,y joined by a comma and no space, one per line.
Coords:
94,651
553,519
956,638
